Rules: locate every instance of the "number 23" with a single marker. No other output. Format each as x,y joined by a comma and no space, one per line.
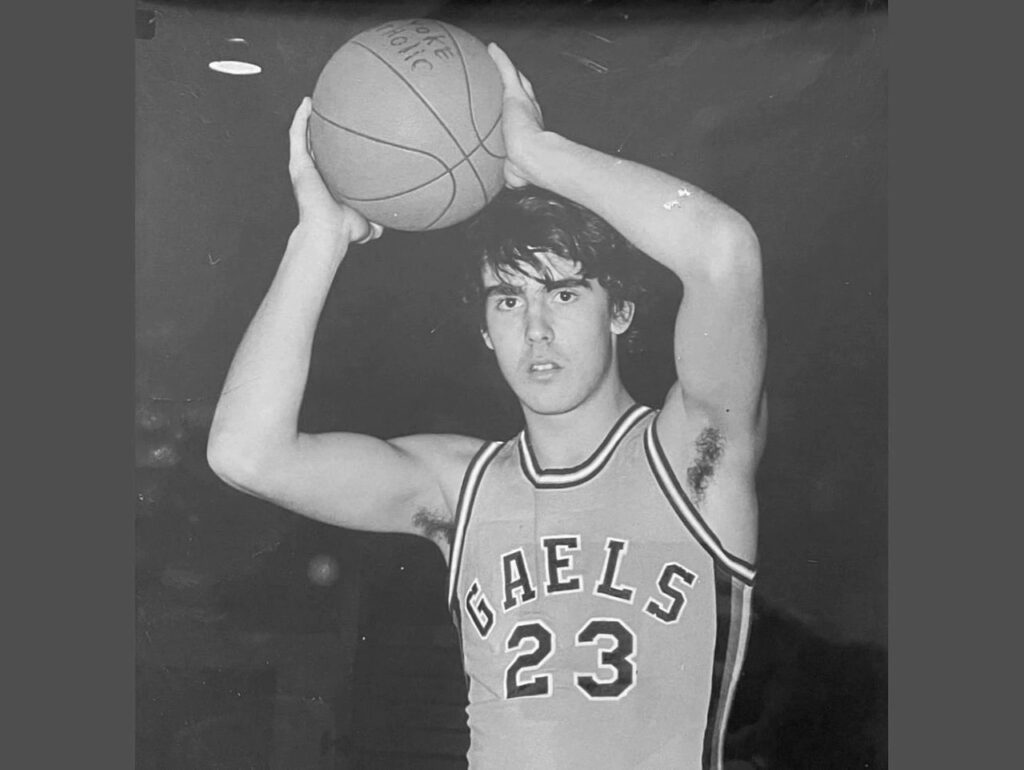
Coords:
619,659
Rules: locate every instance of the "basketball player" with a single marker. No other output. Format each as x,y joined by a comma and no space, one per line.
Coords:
600,561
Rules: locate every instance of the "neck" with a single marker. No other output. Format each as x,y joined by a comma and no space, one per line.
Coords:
568,439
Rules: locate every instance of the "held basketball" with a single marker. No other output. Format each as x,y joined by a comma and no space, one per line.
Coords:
406,125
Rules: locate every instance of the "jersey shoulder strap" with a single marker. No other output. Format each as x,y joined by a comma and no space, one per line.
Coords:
464,508
687,511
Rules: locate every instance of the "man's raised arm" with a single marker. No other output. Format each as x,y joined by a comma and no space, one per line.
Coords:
714,417
341,478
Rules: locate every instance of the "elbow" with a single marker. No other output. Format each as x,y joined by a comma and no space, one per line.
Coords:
232,463
741,236
736,251
223,461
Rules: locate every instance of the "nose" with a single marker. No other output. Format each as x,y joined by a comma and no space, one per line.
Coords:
538,324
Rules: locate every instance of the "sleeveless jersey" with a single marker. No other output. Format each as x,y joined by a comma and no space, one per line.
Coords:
602,623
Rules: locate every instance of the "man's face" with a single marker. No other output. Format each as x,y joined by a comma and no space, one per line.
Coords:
553,333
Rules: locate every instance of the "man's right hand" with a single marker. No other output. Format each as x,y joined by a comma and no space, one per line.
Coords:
318,211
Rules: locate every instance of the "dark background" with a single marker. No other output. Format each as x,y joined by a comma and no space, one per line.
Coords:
780,109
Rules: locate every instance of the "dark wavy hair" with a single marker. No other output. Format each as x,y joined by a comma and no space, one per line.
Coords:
519,222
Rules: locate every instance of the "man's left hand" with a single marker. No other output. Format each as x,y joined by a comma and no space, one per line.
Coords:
521,120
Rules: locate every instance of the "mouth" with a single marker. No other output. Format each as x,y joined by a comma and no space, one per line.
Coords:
542,369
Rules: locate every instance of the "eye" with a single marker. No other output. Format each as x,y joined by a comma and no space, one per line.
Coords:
565,295
507,303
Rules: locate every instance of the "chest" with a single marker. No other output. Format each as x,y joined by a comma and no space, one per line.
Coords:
612,545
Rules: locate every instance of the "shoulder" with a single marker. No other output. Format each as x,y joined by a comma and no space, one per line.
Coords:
446,459
440,450
444,456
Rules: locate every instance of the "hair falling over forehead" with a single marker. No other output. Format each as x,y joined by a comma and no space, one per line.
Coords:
519,224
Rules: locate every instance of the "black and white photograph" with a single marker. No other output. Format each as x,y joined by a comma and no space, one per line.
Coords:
511,385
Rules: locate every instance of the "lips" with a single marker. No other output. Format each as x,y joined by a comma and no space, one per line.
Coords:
542,369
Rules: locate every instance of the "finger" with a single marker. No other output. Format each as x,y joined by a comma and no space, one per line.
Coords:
527,85
375,232
504,64
528,88
297,148
513,81
301,118
514,180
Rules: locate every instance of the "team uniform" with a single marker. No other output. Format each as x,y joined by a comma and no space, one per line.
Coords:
602,623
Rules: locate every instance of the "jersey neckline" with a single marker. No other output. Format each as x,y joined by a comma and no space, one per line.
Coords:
559,478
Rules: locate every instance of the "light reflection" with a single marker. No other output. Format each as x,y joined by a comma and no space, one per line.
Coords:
236,67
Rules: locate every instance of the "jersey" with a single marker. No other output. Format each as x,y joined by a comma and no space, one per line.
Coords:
602,623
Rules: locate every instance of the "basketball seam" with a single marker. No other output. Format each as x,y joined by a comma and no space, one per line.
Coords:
469,96
469,107
448,169
427,105
466,159
451,200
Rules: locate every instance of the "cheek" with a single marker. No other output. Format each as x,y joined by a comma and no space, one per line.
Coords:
499,336
594,326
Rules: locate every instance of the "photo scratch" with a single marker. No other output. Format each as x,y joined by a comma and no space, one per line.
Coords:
588,63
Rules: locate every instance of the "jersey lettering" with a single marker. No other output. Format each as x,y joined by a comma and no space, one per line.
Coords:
517,580
559,559
613,550
671,613
557,563
481,612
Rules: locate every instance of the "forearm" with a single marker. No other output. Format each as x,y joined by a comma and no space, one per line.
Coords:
671,220
259,406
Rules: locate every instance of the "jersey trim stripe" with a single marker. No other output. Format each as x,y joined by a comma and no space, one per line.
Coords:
739,627
560,478
687,511
732,598
723,619
470,485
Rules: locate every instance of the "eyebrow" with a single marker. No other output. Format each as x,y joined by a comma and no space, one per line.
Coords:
502,289
508,289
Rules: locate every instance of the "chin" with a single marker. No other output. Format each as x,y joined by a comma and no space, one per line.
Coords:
549,403
548,410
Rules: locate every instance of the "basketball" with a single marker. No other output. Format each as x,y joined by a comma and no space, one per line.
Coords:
406,125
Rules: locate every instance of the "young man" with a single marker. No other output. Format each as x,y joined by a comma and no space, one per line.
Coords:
600,562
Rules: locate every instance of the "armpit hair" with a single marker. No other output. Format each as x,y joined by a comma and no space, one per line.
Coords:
434,526
709,447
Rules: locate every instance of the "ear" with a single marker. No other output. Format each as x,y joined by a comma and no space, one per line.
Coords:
487,339
622,317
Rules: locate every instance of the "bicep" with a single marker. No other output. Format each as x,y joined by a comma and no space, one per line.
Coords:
721,337
352,480
713,423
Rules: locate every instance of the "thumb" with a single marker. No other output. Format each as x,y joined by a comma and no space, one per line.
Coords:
375,231
506,68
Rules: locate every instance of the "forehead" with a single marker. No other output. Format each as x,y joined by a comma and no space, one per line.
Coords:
550,267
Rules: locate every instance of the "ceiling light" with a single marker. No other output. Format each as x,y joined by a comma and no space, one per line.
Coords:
236,67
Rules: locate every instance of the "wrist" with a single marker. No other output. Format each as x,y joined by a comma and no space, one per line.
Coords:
542,156
316,242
